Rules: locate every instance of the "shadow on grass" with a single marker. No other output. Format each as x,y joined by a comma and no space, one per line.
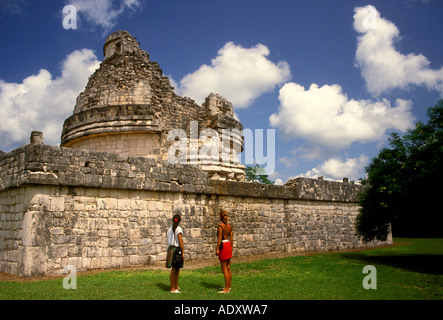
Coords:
163,286
210,285
421,263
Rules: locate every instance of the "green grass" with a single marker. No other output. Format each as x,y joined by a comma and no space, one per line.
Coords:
413,270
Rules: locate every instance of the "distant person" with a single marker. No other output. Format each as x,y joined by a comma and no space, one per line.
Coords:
175,242
224,249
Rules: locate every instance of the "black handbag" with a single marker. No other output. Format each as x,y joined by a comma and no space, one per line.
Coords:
177,258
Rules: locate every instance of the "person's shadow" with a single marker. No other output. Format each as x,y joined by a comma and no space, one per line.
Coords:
207,285
210,285
163,286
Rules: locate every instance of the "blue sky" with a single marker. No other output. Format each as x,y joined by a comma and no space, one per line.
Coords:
332,78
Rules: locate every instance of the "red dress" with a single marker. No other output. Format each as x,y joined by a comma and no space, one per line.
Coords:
226,252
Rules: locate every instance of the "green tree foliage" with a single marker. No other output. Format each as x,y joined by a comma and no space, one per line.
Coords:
256,173
403,185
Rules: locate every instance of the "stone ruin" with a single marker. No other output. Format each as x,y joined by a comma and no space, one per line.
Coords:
104,197
129,107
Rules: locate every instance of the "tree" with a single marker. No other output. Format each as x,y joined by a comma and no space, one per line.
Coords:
403,184
256,173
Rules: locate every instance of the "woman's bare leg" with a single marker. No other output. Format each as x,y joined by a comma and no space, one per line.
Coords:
174,278
177,274
224,266
228,269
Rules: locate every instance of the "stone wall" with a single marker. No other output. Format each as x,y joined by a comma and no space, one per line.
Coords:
12,211
133,144
94,210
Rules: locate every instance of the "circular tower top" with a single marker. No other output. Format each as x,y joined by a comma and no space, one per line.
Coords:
121,42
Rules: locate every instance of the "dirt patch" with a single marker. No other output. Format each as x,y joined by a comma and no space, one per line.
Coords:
189,265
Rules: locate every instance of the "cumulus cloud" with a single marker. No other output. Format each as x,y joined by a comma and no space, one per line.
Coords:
326,117
41,102
382,66
104,13
329,121
239,74
336,168
351,167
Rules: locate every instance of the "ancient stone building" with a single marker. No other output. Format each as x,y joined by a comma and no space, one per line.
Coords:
132,155
129,107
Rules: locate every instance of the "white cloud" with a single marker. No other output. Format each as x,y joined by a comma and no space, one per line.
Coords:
41,102
382,66
239,74
276,177
337,169
104,13
351,168
288,161
326,117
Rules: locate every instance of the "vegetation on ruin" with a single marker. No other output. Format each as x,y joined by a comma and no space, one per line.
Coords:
256,173
409,270
403,184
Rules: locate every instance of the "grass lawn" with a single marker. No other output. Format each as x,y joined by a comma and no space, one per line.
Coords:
412,270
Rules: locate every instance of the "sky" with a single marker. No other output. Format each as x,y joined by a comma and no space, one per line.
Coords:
322,83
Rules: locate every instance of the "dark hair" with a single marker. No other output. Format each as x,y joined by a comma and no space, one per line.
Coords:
175,217
222,214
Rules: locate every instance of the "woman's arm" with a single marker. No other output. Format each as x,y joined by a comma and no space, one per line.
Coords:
219,239
180,240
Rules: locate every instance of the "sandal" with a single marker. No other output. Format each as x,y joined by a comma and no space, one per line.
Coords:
223,291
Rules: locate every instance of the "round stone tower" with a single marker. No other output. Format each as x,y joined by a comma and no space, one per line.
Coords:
129,107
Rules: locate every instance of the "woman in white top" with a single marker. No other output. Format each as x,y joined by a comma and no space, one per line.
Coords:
175,238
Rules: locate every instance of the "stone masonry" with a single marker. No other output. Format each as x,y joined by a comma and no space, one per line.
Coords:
97,210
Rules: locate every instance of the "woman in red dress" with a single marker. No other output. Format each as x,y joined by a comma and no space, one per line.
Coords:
224,238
